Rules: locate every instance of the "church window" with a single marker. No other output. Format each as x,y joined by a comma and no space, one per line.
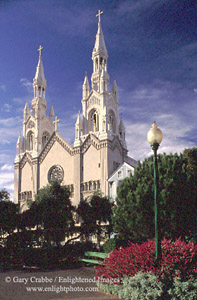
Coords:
45,138
30,141
98,185
39,88
90,185
94,185
56,173
93,121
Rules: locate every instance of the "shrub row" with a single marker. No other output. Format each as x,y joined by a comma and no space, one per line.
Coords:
146,286
178,261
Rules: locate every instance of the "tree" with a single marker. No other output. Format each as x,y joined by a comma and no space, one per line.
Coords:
88,226
133,214
93,213
54,212
8,213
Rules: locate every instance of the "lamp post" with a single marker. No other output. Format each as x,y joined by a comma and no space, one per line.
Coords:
154,137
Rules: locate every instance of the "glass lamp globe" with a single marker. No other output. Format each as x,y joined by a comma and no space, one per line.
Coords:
154,135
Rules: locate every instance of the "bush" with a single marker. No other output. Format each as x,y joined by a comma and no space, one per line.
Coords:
112,289
109,245
185,290
178,260
114,243
141,286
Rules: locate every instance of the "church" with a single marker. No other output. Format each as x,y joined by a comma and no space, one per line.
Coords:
99,149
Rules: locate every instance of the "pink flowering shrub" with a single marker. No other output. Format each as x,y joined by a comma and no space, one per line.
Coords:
178,260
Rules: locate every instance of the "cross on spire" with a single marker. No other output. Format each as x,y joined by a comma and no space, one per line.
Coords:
99,15
40,49
56,122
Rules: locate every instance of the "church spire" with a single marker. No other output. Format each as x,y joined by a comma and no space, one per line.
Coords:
26,111
115,89
86,87
122,129
39,82
19,145
99,47
51,113
99,56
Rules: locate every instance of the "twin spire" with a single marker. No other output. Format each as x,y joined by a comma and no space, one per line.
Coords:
99,47
39,82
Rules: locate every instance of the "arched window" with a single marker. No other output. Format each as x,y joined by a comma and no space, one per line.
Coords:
93,121
45,138
30,141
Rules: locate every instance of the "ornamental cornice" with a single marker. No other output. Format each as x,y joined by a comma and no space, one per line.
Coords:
90,140
55,138
26,158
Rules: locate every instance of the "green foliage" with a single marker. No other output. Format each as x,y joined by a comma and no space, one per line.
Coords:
141,286
93,213
109,245
112,289
8,213
133,214
53,210
183,290
147,287
4,195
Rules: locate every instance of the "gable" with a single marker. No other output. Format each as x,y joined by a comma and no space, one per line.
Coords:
55,138
121,172
90,140
59,156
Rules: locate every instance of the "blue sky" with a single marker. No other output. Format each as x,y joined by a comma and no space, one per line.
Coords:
152,51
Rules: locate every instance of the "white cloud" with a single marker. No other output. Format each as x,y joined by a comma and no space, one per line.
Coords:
135,7
28,84
20,100
9,130
7,167
3,87
5,158
175,136
25,82
74,21
6,107
7,179
9,122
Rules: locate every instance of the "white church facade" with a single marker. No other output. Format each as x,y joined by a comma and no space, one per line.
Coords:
99,147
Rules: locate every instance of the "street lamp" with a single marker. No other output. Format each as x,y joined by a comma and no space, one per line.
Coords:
154,137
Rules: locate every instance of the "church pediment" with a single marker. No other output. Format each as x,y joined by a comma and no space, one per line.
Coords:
90,140
55,138
27,158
